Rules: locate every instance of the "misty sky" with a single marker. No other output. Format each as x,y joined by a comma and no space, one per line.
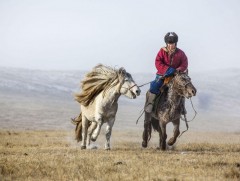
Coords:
78,34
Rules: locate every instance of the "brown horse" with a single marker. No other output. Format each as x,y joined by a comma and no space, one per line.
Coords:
168,108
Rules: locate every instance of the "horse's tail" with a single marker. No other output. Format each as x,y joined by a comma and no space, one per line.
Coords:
78,130
155,124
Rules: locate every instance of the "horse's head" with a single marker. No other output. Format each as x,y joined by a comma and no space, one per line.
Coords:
183,85
129,88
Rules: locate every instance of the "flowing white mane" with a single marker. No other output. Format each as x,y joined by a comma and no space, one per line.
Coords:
101,78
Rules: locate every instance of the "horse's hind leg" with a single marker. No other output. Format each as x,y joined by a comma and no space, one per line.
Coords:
176,132
108,133
84,132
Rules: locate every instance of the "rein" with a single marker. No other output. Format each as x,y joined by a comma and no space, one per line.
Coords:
185,118
137,85
145,84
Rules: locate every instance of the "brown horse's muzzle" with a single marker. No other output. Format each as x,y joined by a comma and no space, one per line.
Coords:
192,91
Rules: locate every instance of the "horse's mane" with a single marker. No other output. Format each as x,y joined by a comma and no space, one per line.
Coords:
101,78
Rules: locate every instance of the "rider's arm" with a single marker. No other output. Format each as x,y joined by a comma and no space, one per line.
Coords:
160,64
183,62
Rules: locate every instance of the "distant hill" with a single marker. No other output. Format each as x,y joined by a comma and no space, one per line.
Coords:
217,90
39,83
217,97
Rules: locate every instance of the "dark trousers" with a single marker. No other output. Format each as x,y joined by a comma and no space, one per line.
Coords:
156,84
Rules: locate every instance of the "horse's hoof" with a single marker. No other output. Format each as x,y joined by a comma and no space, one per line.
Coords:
171,141
108,148
93,147
93,139
83,147
144,144
161,149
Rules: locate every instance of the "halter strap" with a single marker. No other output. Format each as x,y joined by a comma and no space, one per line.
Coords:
130,87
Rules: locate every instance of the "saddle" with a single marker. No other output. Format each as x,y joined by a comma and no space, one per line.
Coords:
167,80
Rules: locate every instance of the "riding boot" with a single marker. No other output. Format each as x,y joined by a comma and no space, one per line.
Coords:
149,102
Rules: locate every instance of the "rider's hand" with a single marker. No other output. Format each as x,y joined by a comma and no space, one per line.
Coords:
170,71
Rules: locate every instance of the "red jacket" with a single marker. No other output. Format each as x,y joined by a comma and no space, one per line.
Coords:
163,62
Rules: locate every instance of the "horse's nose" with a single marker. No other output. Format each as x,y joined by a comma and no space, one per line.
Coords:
138,91
194,91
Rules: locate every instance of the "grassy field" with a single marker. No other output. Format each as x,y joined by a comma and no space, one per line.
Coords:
54,155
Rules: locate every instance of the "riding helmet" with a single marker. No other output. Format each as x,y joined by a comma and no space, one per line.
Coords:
171,37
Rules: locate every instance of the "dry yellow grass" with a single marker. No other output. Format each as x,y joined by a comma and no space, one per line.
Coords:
53,155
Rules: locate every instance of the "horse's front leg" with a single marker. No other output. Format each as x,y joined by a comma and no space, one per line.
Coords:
90,131
108,133
162,136
84,131
97,130
147,130
176,132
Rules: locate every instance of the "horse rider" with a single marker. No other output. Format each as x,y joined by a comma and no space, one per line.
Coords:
169,60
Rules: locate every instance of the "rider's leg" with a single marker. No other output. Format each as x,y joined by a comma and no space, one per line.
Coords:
151,94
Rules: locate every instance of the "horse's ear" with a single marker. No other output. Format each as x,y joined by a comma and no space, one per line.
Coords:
122,71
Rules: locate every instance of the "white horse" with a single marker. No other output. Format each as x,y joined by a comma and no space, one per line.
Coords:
101,89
